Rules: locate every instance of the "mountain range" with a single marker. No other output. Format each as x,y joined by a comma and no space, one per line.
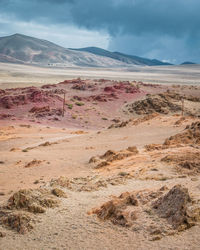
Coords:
23,49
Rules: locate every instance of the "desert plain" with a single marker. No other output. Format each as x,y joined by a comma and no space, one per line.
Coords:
99,158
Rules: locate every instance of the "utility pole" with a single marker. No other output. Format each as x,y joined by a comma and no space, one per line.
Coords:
63,111
182,101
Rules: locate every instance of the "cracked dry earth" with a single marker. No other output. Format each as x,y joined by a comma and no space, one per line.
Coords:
132,187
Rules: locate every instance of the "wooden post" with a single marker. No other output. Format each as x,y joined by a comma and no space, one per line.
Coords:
182,101
63,111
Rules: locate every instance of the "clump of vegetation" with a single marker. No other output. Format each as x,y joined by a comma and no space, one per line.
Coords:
138,86
70,106
25,150
80,103
74,116
104,118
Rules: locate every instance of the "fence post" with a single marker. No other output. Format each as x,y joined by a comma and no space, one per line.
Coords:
63,111
182,101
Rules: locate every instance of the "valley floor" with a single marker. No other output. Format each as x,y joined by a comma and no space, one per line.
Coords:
16,75
132,183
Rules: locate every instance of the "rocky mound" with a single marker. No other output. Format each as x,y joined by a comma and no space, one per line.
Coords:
5,116
115,210
161,103
34,201
33,163
120,125
20,222
126,87
152,147
30,95
97,98
83,86
173,207
112,156
180,121
154,212
44,111
90,183
191,135
39,110
187,162
17,214
134,122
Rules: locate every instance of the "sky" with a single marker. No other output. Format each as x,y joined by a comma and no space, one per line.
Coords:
168,30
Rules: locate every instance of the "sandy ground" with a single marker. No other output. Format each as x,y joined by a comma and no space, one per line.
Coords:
69,226
31,155
76,151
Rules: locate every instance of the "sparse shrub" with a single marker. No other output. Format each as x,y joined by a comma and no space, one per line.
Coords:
25,150
74,116
80,103
138,86
70,106
123,174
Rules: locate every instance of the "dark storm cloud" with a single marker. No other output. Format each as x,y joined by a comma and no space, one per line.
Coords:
176,20
174,17
36,10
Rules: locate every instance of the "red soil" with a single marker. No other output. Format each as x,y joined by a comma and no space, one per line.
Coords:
101,101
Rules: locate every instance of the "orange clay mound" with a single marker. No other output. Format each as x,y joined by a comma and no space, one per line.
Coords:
112,156
115,210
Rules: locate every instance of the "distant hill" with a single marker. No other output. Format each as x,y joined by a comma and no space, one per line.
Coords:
19,48
186,63
129,59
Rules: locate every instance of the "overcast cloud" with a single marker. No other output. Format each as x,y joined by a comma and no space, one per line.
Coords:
163,29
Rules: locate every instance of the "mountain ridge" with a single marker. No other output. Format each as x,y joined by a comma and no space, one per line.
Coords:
130,59
18,48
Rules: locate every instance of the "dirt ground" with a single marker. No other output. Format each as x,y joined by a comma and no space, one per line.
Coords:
146,155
